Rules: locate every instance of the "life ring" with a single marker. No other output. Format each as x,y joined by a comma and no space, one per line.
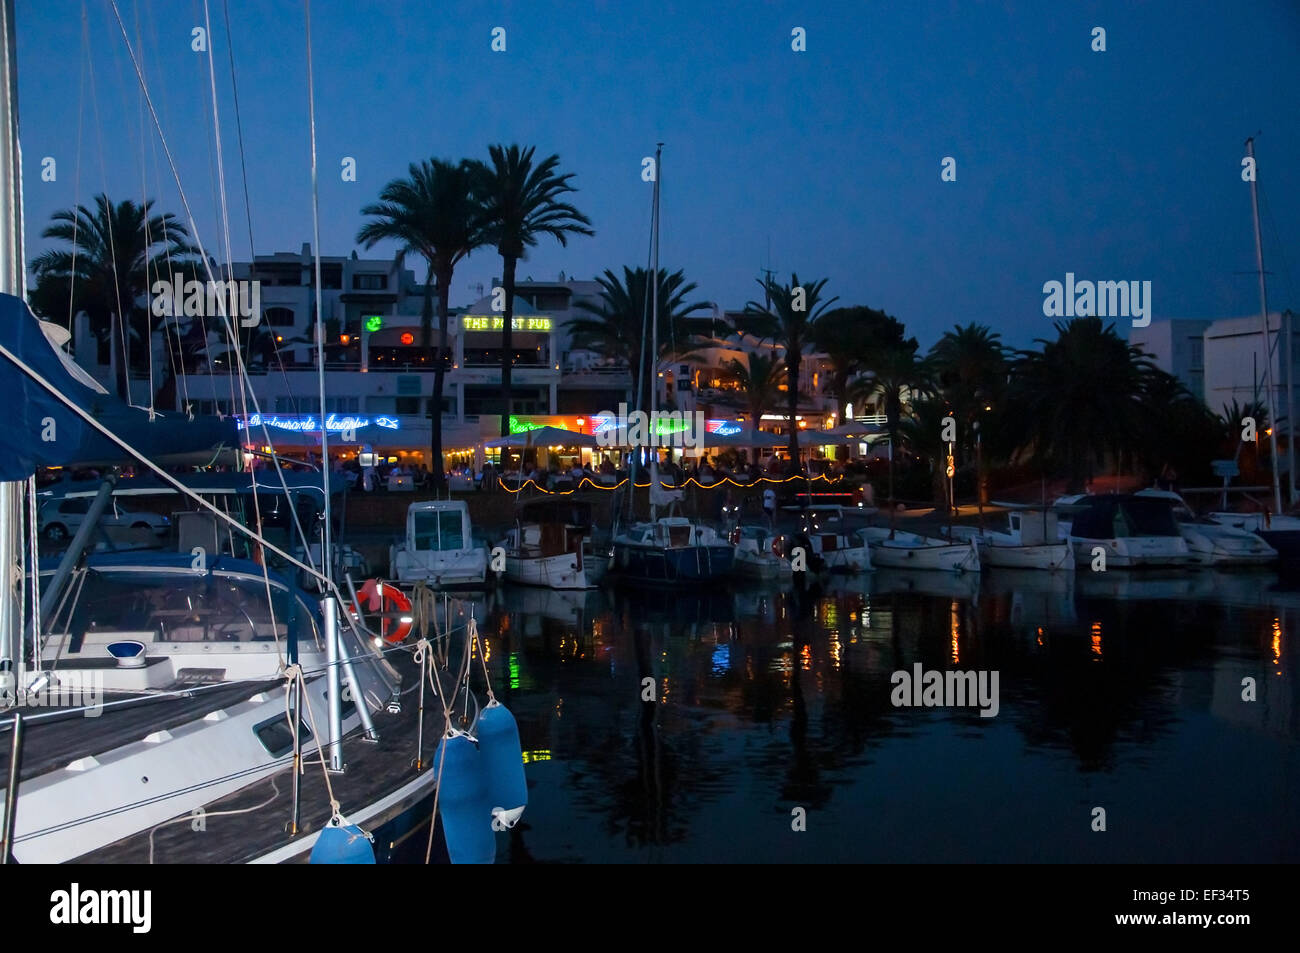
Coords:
395,620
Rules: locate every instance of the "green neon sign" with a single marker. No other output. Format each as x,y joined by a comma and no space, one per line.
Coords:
520,426
374,322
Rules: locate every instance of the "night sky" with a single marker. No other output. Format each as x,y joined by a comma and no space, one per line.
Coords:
1115,165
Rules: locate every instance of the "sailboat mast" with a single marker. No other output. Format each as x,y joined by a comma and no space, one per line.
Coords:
326,551
654,337
13,280
1263,303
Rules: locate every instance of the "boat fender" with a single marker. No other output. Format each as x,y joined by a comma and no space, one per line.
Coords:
463,801
503,758
343,843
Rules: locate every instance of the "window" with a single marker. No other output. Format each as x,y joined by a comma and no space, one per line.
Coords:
342,405
284,405
369,282
279,317
276,737
74,506
440,530
1198,353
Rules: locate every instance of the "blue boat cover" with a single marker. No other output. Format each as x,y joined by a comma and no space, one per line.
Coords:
44,432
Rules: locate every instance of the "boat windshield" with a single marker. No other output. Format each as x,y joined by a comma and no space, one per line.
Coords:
1145,518
179,609
439,530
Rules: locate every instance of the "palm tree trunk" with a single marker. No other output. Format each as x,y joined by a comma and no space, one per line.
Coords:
792,383
117,357
439,376
507,343
426,313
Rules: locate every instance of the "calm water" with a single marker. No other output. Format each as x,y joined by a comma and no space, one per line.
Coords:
1123,693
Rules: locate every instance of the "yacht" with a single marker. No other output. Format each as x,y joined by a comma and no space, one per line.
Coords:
439,549
1213,543
1132,531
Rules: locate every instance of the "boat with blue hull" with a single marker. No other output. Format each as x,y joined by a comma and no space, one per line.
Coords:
672,549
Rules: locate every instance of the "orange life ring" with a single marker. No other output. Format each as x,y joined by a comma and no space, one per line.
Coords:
390,601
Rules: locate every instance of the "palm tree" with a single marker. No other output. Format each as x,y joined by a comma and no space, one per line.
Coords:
848,337
616,326
788,315
760,378
1084,395
433,212
922,433
116,249
520,203
970,369
896,376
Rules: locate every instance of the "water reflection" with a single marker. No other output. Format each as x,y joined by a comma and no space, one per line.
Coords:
686,726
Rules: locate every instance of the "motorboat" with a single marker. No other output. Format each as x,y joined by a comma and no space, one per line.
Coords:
1213,543
760,554
439,548
1030,540
830,542
1132,532
672,549
550,545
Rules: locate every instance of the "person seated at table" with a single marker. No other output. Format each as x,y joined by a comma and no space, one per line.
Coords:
607,466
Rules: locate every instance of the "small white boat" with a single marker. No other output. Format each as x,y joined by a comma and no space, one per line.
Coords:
550,546
439,548
1132,532
1213,543
760,554
833,546
1031,541
897,549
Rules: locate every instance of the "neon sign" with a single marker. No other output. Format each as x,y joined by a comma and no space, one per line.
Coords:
374,322
310,423
498,323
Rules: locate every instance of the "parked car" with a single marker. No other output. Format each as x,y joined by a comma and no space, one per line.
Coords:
59,519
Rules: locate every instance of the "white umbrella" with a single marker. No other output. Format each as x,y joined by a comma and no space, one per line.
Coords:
545,437
746,438
849,431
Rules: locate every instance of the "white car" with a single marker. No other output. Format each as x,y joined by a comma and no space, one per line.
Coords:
60,519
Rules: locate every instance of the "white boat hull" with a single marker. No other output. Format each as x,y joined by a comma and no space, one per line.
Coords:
562,571
1134,552
1058,557
911,551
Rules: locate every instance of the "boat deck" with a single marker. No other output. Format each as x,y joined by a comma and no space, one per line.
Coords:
373,771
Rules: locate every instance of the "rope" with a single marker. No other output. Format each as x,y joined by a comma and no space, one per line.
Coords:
293,673
206,814
231,333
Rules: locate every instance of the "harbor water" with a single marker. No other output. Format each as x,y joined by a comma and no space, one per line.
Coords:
1136,718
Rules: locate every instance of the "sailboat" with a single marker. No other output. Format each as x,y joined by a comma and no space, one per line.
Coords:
1279,531
147,695
672,548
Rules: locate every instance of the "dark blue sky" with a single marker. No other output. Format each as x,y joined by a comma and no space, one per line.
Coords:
1115,165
